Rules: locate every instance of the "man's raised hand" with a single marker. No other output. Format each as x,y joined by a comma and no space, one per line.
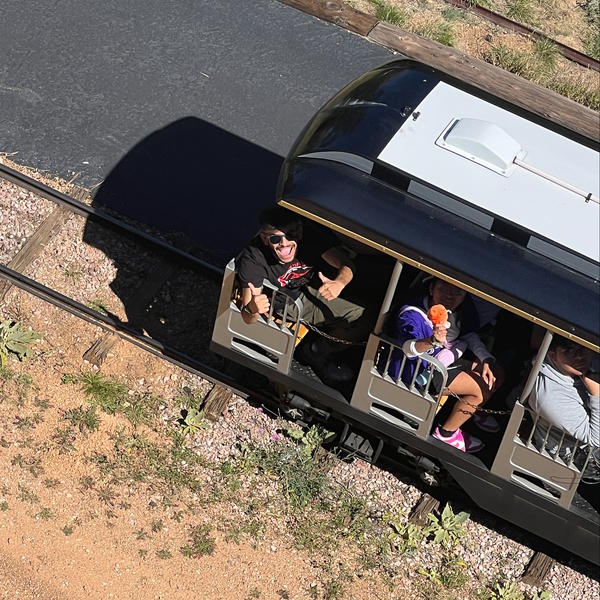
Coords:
259,303
331,288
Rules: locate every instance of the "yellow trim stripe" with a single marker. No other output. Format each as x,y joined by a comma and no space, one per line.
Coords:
439,274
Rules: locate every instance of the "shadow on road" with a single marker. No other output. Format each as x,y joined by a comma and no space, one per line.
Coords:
201,188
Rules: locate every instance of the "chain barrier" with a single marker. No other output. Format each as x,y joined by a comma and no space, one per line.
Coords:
331,337
476,407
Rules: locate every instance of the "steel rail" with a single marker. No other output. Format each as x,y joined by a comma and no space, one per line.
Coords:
123,330
91,212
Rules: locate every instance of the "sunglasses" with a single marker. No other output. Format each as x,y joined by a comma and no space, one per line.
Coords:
276,238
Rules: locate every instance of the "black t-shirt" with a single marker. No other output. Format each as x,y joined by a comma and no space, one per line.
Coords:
258,262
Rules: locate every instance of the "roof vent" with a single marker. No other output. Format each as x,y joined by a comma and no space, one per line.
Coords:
482,142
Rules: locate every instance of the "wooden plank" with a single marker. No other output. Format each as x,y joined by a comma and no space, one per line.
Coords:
537,570
34,245
216,402
98,351
427,504
335,11
489,78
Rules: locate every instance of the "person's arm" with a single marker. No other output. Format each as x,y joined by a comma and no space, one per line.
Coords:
332,288
592,384
254,303
413,332
563,409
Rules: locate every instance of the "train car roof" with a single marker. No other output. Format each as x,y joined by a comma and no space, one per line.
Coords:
462,184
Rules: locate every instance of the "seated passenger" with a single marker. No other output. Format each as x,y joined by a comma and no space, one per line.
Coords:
567,396
278,255
473,382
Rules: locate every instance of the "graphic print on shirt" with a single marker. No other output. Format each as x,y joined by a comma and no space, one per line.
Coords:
296,275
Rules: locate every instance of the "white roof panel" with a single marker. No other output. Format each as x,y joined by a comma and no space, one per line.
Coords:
517,194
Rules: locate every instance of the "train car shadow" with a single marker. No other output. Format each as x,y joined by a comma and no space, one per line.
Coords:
199,187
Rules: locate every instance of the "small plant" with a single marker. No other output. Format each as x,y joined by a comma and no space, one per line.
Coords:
163,554
389,13
501,591
405,538
546,52
157,526
45,514
26,495
64,439
3,505
453,13
447,529
521,11
33,465
15,339
438,31
51,483
87,482
452,573
201,543
98,305
192,420
86,420
73,272
311,440
68,529
140,534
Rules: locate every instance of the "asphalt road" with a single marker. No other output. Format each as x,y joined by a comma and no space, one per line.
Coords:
163,97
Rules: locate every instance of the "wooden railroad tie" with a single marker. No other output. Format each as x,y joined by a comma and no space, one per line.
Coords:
216,402
35,244
537,570
426,505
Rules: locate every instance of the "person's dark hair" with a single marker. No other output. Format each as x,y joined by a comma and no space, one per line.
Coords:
276,217
561,342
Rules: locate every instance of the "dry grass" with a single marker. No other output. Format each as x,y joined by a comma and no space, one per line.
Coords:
574,23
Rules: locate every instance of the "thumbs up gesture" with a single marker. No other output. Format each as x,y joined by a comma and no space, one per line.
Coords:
259,303
331,288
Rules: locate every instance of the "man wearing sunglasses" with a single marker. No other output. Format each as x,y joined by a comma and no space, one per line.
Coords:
275,255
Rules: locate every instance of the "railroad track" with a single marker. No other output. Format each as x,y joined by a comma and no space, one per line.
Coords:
224,384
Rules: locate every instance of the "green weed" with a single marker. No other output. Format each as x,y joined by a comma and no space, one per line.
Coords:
447,529
16,340
200,543
98,305
86,420
521,11
453,13
51,483
33,465
157,526
452,573
45,514
68,529
27,495
72,272
111,396
163,554
3,505
404,537
389,13
438,31
192,421
64,438
546,52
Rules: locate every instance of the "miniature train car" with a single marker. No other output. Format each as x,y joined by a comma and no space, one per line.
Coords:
422,175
